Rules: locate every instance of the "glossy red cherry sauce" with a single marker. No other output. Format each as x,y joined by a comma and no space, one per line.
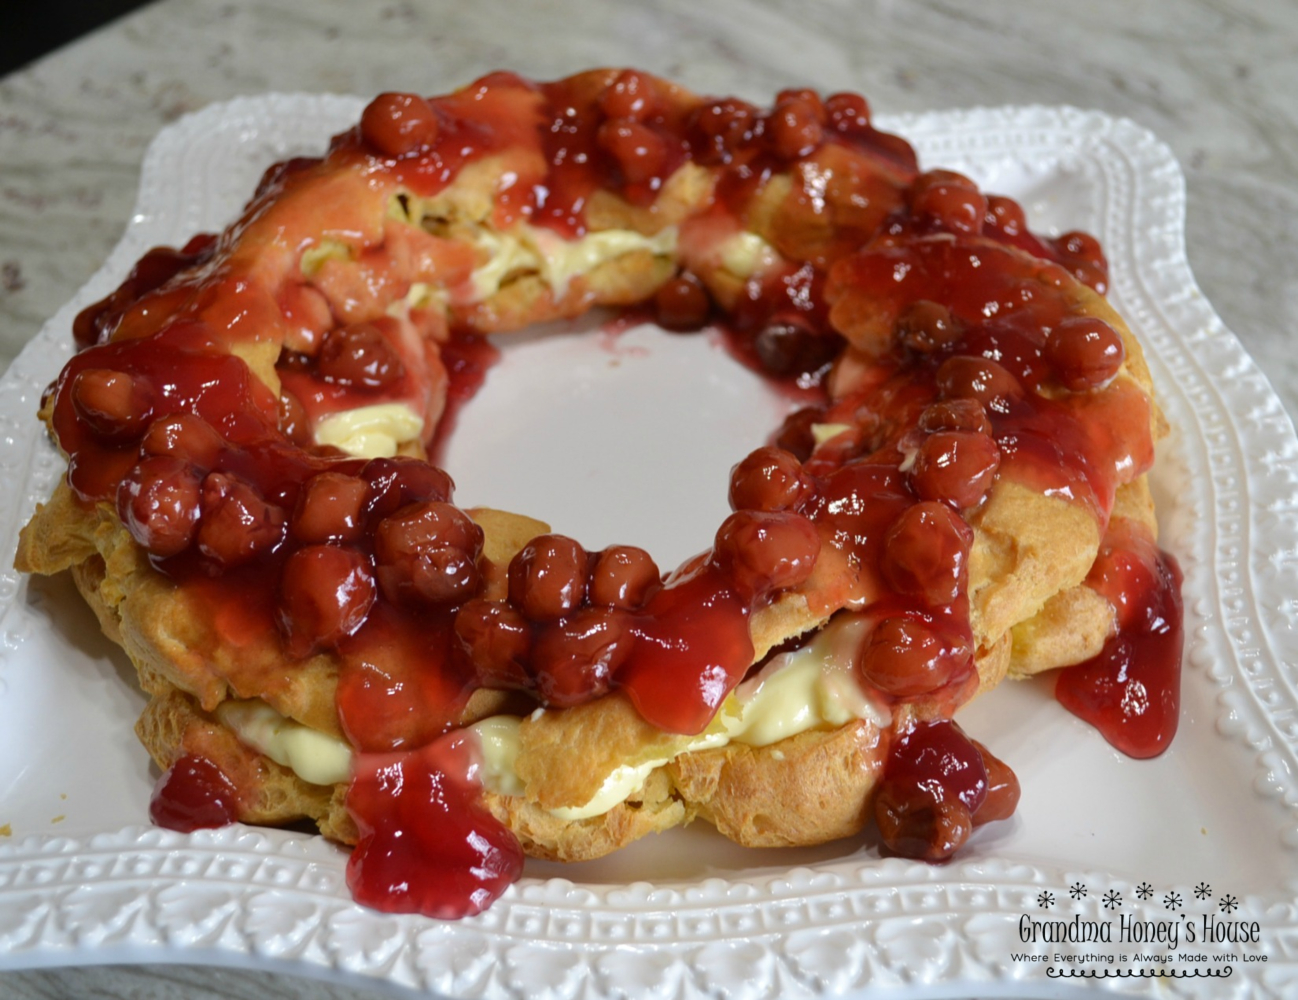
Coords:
962,353
192,795
1003,308
933,784
185,372
692,649
467,359
981,362
427,845
937,786
1131,691
158,266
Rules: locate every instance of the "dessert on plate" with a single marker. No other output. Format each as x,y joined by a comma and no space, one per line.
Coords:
324,635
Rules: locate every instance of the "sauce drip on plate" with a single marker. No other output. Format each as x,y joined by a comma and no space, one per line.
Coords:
941,347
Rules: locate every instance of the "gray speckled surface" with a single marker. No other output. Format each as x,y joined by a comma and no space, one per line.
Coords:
1216,79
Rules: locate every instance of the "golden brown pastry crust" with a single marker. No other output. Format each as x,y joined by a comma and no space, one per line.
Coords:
1030,609
807,789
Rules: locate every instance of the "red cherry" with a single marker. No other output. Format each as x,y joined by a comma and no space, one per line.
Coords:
633,96
623,576
942,178
326,592
769,479
914,822
953,208
847,112
939,753
576,657
1085,352
955,415
926,552
682,304
396,124
359,355
1005,216
789,348
113,404
956,467
932,785
795,128
547,577
498,642
398,481
765,551
963,376
330,508
428,553
159,503
721,129
184,436
948,200
807,96
640,152
1083,258
907,657
926,327
1081,246
501,79
237,524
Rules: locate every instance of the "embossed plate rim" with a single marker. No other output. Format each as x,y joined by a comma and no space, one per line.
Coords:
264,898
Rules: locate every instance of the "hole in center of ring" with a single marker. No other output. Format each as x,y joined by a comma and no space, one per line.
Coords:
613,436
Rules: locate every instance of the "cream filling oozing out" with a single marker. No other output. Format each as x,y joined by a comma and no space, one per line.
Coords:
744,254
313,756
374,431
820,433
379,430
523,248
813,687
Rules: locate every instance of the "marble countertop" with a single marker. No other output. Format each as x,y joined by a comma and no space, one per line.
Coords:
1215,79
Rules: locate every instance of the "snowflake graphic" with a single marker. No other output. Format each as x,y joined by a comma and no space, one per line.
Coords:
1046,900
1202,891
1172,901
1144,890
1077,890
1112,899
1228,903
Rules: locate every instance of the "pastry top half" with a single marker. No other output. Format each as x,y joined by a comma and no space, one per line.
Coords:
250,511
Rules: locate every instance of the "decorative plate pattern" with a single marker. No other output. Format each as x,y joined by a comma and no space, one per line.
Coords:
844,925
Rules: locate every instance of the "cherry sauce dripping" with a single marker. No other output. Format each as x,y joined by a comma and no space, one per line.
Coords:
1131,691
960,378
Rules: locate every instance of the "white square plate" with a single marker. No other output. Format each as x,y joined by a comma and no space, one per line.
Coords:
83,880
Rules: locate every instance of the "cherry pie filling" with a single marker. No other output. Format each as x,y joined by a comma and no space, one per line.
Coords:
968,364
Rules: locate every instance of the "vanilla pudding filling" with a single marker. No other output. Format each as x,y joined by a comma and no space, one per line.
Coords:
557,261
349,304
313,756
808,688
812,687
381,430
375,431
